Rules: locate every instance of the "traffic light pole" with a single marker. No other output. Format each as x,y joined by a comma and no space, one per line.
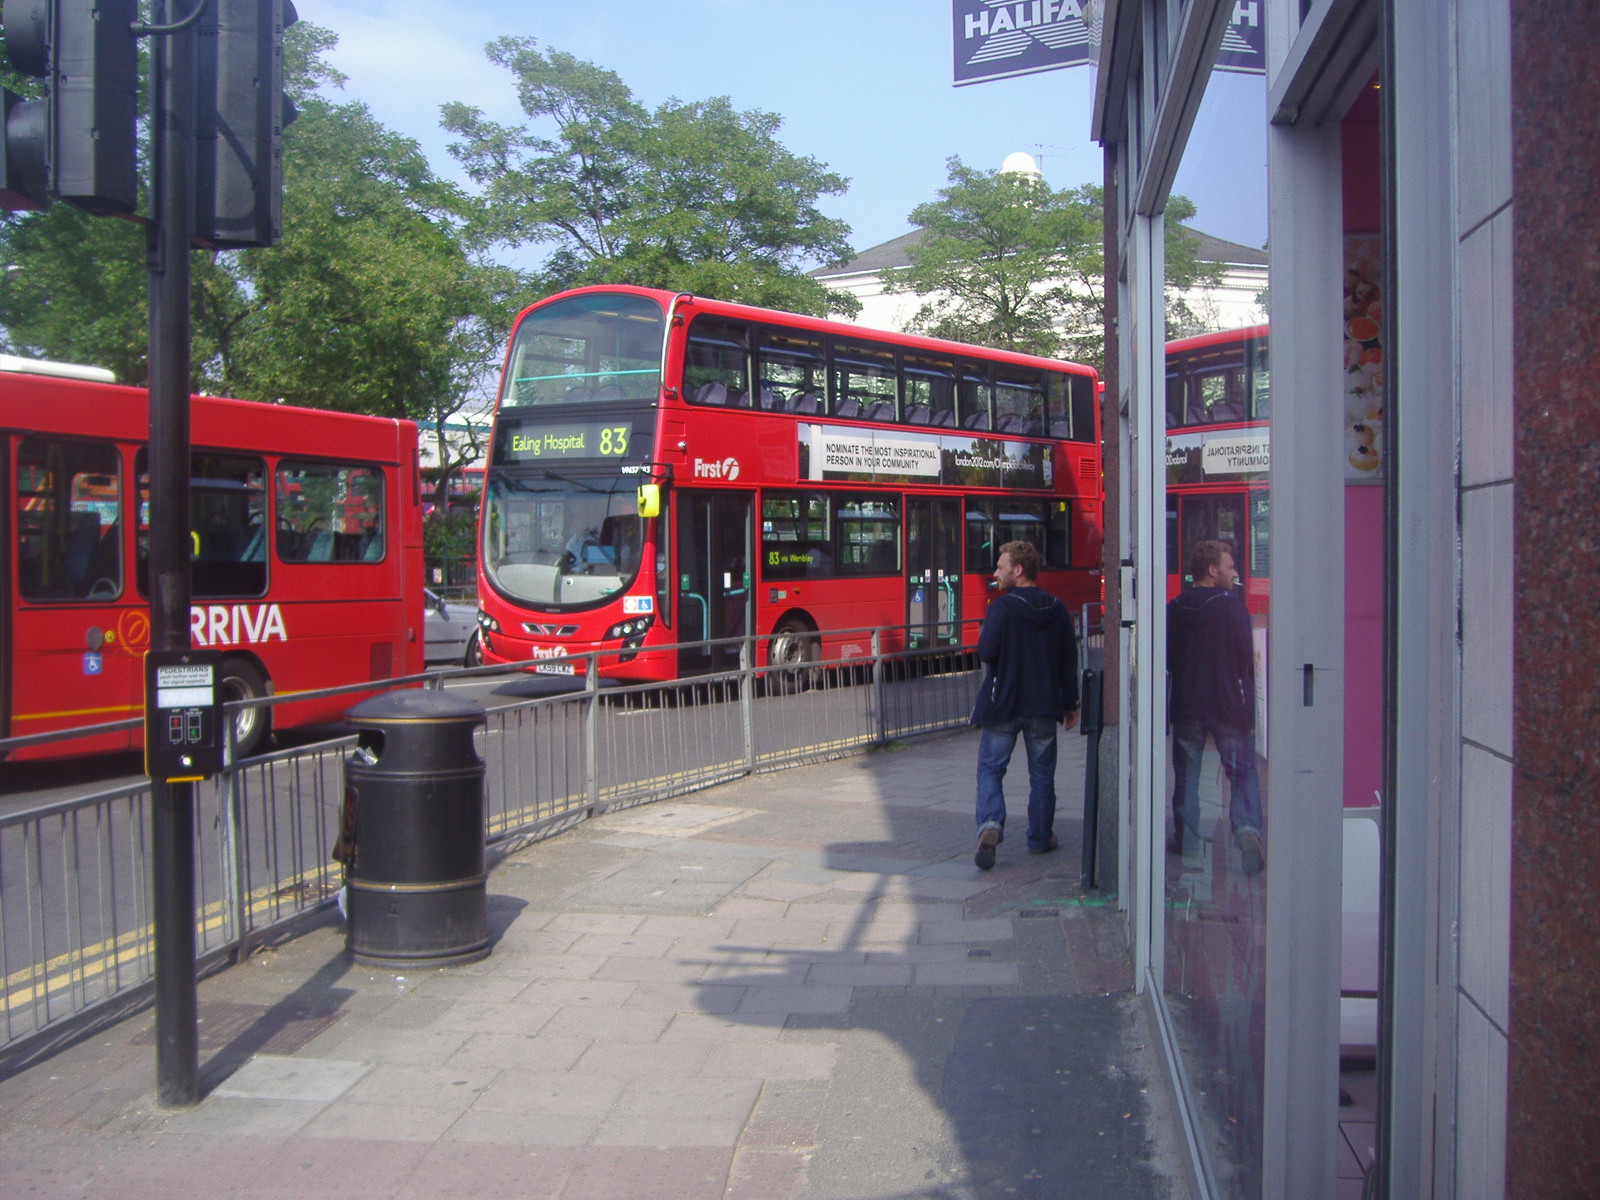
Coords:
172,804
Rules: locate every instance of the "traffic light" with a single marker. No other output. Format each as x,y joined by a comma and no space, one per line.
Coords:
78,143
240,119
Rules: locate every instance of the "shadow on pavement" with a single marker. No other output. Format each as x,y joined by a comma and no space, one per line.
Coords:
951,1087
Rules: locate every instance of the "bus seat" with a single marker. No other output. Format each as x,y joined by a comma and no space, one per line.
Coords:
806,402
977,420
83,537
321,549
711,392
1011,423
577,395
848,407
919,414
738,399
771,401
105,562
883,410
610,392
374,550
944,418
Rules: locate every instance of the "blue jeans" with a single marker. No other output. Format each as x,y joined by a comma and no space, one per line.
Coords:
1237,748
994,754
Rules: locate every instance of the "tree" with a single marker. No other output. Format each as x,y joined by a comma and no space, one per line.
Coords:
1185,270
373,303
1003,260
1007,261
694,197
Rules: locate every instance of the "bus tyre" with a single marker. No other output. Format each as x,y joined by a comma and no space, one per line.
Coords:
241,681
793,646
474,652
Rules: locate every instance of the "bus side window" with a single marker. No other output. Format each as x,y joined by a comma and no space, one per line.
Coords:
983,550
227,513
716,364
789,365
329,513
1018,401
68,504
930,391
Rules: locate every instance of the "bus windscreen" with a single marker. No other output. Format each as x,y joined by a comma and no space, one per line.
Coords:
560,543
589,348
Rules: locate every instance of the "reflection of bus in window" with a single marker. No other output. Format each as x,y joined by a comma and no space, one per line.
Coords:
305,550
1219,416
806,478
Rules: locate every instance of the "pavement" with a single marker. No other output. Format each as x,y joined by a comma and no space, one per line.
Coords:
789,987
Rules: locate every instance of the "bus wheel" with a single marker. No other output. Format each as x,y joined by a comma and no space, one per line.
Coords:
241,681
794,645
474,652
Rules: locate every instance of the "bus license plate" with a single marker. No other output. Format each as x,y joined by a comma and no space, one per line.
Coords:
554,668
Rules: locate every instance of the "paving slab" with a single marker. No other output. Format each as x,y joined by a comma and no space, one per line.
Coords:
790,987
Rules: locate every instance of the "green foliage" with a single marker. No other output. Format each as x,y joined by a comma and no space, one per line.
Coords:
1007,261
449,537
695,196
373,303
1185,271
1004,259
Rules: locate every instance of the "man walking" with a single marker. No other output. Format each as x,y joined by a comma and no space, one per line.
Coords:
1211,661
1030,653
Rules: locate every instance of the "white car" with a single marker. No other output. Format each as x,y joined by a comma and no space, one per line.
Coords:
449,630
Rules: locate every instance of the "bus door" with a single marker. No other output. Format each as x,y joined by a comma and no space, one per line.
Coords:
933,572
714,585
76,644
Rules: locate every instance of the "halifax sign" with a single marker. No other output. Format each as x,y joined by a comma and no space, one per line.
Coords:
994,39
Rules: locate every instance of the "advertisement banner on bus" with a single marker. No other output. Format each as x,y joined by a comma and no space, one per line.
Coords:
853,454
1233,454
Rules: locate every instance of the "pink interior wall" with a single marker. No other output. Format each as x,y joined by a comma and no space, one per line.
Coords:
1363,645
1363,512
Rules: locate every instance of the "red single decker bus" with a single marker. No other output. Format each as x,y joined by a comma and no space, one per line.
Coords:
670,469
306,529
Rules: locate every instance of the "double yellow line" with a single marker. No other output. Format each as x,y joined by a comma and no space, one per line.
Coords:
39,983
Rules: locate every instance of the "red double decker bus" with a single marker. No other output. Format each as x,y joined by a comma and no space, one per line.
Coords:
306,533
670,469
1219,455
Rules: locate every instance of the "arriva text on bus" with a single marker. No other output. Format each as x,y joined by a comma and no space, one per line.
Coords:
222,624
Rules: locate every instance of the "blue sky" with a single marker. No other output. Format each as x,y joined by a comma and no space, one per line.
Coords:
863,86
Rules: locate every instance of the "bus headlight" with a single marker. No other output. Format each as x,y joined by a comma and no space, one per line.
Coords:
630,630
487,623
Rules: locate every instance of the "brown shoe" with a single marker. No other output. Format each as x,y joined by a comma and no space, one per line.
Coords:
988,839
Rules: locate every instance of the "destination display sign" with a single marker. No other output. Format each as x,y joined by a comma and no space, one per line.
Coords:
529,441
850,453
1210,456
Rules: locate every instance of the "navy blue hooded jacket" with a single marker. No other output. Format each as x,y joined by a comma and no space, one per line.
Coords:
1211,658
1031,654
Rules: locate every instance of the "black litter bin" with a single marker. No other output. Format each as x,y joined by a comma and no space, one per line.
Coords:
412,842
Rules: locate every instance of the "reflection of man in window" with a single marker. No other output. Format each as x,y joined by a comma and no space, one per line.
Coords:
1211,661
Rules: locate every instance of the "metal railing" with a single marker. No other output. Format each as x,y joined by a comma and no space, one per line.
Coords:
75,920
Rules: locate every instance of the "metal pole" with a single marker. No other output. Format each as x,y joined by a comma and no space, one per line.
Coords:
878,688
172,804
1092,721
591,731
747,694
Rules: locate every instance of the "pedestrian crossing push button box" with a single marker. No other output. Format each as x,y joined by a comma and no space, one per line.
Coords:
183,714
